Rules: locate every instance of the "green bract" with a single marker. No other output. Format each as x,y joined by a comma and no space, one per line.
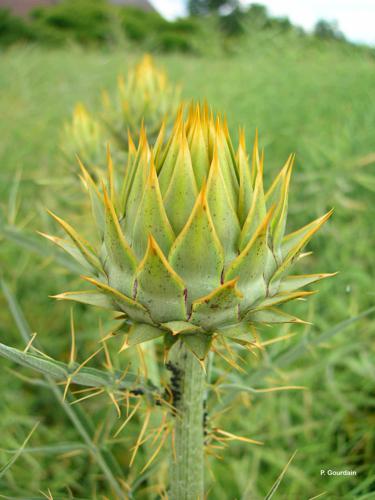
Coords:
191,246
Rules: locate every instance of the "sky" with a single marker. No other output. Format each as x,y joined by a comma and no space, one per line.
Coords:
355,18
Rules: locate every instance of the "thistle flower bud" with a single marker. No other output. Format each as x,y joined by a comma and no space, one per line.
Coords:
192,246
144,96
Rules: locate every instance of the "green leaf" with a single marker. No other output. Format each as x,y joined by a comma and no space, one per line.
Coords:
16,312
35,244
54,449
197,255
139,333
159,288
19,452
81,422
13,199
218,307
306,345
89,377
276,484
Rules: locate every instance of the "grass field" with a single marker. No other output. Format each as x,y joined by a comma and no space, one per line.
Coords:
314,100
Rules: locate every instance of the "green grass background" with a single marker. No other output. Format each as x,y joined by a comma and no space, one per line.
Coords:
316,100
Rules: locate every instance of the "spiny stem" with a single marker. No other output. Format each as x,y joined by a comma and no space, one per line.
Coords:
188,384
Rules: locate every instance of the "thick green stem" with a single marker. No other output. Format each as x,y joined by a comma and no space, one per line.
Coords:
188,385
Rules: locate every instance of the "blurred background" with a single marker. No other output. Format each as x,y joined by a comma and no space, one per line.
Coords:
303,73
